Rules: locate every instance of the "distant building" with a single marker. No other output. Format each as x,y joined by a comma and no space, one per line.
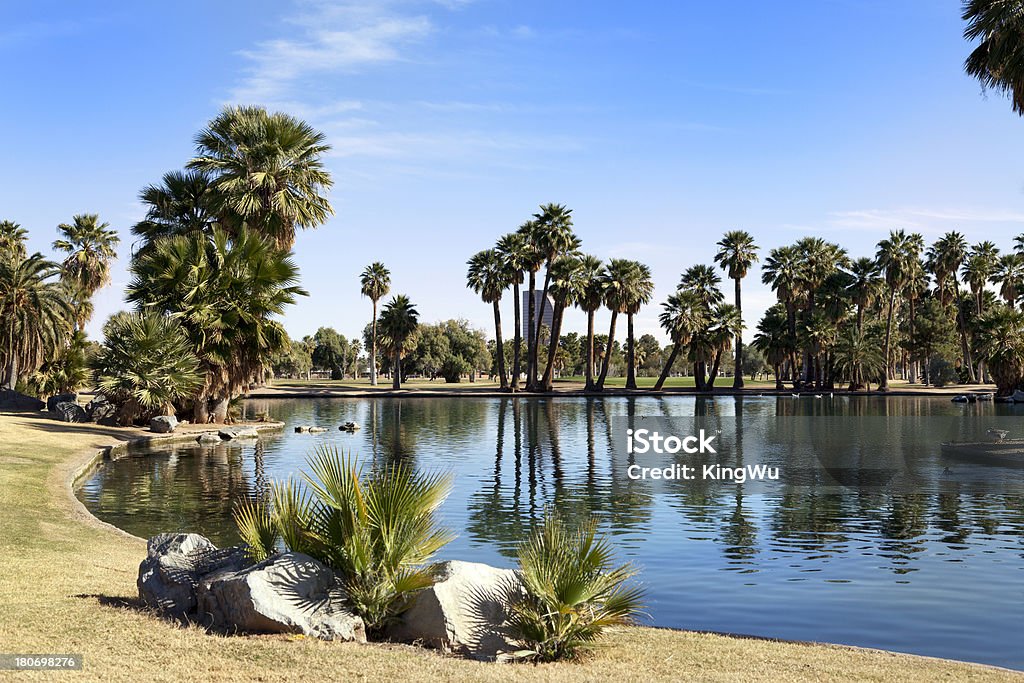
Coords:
543,306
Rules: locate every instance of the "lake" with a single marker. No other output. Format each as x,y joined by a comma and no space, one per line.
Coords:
871,537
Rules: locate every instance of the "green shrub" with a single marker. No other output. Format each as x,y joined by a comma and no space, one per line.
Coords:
376,532
573,591
941,372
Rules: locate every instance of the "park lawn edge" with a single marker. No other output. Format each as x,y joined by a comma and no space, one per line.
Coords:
157,649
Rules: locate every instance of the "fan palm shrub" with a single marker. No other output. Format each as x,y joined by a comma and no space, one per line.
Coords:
377,531
573,591
145,365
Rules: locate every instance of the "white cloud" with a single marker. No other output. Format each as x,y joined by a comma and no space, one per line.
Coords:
333,38
925,220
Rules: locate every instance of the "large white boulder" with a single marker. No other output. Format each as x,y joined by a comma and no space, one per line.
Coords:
174,563
286,593
463,612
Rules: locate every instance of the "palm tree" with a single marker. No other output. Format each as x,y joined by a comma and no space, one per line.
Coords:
892,261
1009,275
619,279
684,316
552,236
638,293
998,60
782,273
946,257
737,252
568,282
226,290
145,364
267,170
488,277
978,269
590,298
1001,333
516,253
704,282
35,316
819,260
375,282
725,325
13,238
858,357
90,246
183,203
398,322
774,341
533,259
865,285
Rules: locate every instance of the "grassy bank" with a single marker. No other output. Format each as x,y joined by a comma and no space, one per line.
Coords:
67,585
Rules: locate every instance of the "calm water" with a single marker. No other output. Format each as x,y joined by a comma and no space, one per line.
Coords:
933,564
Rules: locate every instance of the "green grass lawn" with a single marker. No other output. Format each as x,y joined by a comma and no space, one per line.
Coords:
670,383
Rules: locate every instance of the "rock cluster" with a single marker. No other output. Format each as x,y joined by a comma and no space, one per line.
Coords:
186,576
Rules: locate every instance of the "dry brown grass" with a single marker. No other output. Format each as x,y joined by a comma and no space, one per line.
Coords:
67,585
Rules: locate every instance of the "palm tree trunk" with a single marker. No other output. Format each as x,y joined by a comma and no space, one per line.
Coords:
912,364
547,382
531,338
499,345
396,372
540,319
713,374
965,347
373,347
630,354
607,353
737,375
884,386
668,367
590,351
517,339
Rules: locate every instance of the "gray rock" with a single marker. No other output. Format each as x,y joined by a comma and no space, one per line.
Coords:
51,403
101,410
287,593
208,438
173,567
13,401
229,433
163,424
70,412
463,612
301,429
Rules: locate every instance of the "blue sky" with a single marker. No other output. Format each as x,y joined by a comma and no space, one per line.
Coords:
662,124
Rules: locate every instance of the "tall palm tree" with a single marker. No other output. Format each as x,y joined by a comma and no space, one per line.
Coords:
998,60
864,286
637,294
782,273
399,322
704,281
552,235
268,171
978,269
725,325
35,316
488,277
1009,275
946,257
891,256
568,282
515,252
683,316
183,203
533,258
737,252
590,299
90,246
1001,336
619,278
375,282
13,238
227,291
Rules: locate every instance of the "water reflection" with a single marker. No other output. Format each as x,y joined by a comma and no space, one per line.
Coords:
804,559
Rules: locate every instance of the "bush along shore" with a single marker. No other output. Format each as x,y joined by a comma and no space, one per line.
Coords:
347,556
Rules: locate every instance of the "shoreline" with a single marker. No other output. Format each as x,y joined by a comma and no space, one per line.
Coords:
74,470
